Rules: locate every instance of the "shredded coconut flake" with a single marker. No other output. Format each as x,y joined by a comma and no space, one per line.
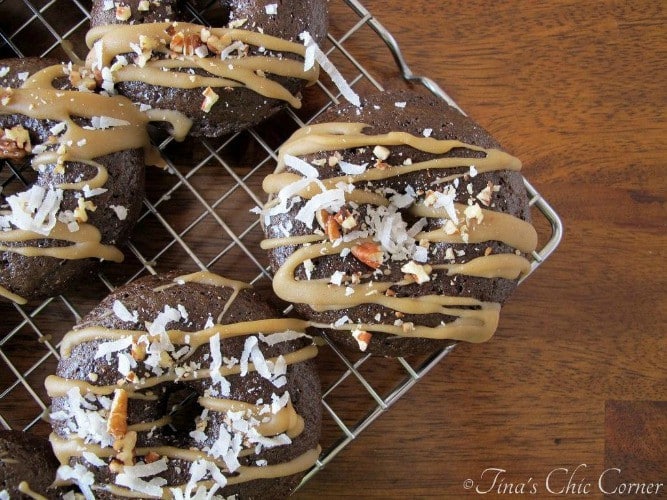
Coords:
120,211
58,128
301,166
34,210
104,122
342,320
351,168
89,193
114,346
216,364
329,68
337,278
166,316
93,459
132,475
420,254
308,266
271,9
276,338
123,314
331,200
81,476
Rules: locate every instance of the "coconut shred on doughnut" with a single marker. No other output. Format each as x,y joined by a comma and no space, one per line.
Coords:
397,227
80,192
185,386
224,79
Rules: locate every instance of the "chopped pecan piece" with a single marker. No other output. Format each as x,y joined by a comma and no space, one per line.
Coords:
138,351
191,43
418,272
215,44
123,12
14,143
210,98
333,229
151,457
116,466
369,253
117,423
363,338
322,216
345,219
177,42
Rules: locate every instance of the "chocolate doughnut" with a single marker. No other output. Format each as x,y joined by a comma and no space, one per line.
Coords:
252,424
222,79
397,227
81,161
27,466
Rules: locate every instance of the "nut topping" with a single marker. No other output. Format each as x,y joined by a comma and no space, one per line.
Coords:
116,466
363,338
117,423
485,194
418,272
151,457
210,98
138,351
332,229
123,12
345,219
14,143
190,44
369,253
177,42
381,152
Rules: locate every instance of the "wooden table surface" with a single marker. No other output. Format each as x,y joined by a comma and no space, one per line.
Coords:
573,384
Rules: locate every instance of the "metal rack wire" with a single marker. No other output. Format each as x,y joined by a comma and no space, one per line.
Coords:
209,188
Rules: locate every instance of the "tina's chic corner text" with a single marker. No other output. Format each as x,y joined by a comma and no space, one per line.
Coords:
561,481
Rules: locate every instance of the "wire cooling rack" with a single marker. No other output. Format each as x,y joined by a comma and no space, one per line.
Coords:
197,216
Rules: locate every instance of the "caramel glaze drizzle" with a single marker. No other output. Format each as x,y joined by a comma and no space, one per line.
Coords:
37,98
24,487
286,420
476,321
245,474
107,42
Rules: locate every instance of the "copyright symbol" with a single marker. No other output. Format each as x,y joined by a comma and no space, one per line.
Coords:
468,483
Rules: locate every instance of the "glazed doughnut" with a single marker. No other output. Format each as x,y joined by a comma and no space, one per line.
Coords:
27,466
252,428
83,194
397,227
223,79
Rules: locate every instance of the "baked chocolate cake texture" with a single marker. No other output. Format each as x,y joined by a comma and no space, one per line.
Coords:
223,79
398,226
27,467
185,386
80,158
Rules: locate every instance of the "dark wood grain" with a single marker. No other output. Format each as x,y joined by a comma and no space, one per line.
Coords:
636,436
577,90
